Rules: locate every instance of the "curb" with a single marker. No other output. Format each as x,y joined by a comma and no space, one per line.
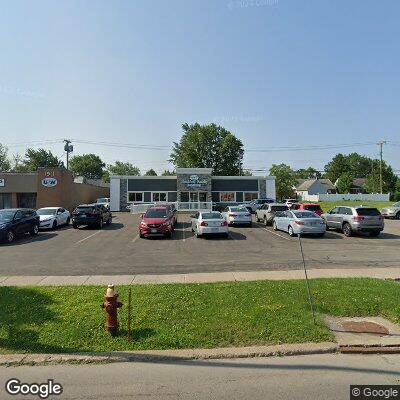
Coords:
15,360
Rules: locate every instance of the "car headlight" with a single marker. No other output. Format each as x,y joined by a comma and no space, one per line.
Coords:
143,224
2,226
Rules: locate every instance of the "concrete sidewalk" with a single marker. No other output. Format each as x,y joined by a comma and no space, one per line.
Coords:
240,276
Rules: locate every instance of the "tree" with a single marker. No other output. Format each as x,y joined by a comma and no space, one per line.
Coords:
359,166
389,179
168,173
39,158
208,146
308,173
151,172
285,180
345,182
18,164
123,168
5,164
88,165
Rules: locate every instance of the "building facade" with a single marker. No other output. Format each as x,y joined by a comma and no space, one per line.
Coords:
190,186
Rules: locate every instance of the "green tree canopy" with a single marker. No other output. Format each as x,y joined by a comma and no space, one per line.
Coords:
389,179
308,173
5,164
123,168
35,159
88,165
345,182
208,146
285,180
359,166
151,172
168,173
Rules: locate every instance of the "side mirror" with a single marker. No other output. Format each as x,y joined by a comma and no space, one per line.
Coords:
192,216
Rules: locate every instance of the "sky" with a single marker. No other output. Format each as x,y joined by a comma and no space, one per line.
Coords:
276,73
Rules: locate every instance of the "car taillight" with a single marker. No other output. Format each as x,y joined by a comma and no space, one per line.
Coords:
224,223
381,217
358,218
203,223
299,222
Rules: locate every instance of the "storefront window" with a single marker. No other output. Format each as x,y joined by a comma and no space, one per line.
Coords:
250,196
227,197
135,197
161,196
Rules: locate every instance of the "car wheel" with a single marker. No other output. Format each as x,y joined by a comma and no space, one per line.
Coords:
274,226
250,224
35,230
68,221
291,231
397,215
257,219
10,237
109,221
100,225
265,221
374,233
321,234
54,225
197,233
347,230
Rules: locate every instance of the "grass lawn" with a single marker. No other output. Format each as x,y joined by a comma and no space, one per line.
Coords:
69,319
328,205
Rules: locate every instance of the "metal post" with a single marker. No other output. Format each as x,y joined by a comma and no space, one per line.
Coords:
310,299
381,143
129,313
69,149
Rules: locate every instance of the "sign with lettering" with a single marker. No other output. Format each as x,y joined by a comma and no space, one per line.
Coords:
49,182
2,182
195,182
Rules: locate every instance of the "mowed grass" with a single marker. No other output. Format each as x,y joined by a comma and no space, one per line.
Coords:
328,205
69,319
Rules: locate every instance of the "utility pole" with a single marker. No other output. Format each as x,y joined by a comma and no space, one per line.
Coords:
380,144
68,148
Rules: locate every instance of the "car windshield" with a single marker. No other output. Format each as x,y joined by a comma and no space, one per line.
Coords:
84,209
304,214
6,215
102,200
156,213
396,204
369,212
238,209
278,208
312,207
47,211
212,215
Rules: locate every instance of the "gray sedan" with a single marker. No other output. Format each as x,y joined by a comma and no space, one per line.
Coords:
299,223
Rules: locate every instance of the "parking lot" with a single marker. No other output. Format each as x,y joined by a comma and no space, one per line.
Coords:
117,249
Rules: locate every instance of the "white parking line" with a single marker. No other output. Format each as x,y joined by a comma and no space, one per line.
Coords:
87,237
274,233
135,238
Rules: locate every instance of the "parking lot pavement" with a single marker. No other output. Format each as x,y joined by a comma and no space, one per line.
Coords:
118,250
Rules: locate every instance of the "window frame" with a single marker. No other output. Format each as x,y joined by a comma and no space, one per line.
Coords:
135,192
159,201
227,201
251,193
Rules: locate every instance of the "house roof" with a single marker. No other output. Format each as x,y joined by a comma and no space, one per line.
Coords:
306,184
359,182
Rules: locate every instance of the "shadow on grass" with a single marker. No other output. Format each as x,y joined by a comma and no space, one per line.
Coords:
137,334
22,310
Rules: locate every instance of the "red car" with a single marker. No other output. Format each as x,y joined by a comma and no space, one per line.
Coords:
314,207
157,221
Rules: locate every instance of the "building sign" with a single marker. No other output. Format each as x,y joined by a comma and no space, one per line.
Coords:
195,182
49,182
2,182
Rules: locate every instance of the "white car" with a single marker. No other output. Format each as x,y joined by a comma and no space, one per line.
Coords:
53,217
237,215
392,211
209,223
105,201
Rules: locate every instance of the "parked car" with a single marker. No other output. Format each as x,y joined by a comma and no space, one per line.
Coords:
17,221
254,205
392,212
53,217
105,201
157,221
314,207
209,223
91,215
352,220
267,212
299,223
290,202
236,215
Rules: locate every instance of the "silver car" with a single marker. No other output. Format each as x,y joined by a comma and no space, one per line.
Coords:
237,215
299,223
267,212
352,220
209,223
392,211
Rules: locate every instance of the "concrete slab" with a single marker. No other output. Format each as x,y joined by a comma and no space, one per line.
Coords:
345,338
110,279
3,278
210,277
64,280
22,281
158,279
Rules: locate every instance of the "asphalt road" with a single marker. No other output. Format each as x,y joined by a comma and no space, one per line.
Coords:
301,377
119,250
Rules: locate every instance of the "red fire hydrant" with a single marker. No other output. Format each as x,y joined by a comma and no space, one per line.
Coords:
111,305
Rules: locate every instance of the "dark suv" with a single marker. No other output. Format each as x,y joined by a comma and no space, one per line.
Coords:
17,221
91,215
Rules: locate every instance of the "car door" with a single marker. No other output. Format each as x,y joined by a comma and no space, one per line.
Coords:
332,218
18,222
26,221
225,213
194,220
60,217
284,221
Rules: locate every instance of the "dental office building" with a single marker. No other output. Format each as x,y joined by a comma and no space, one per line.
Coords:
191,188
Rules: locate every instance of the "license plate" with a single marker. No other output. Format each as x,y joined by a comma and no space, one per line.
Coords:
214,229
154,231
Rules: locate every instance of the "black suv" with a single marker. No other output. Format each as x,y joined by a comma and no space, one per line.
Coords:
91,215
17,221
